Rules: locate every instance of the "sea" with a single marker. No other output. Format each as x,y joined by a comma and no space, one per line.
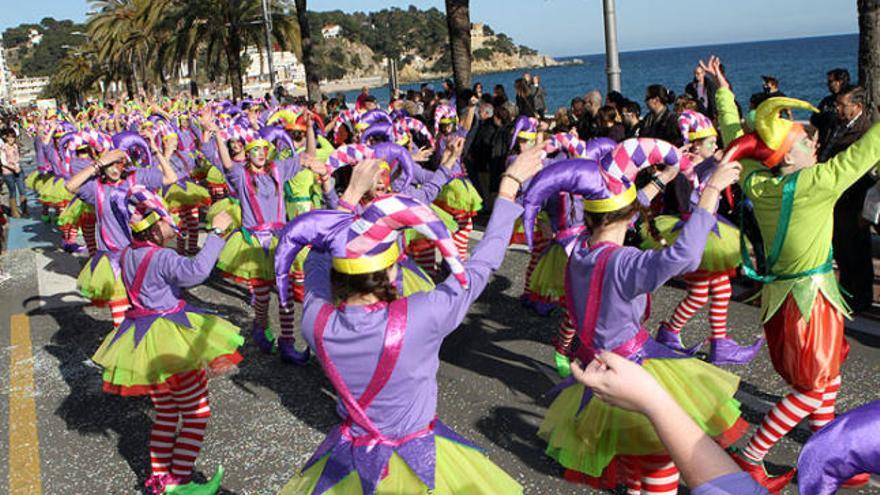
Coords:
799,64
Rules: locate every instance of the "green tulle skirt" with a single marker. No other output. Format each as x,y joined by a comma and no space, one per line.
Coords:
588,441
166,350
460,470
101,284
722,251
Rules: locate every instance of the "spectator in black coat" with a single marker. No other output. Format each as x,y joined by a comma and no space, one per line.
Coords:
702,89
660,123
826,120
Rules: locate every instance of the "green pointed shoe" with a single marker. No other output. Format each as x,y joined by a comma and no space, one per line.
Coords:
193,488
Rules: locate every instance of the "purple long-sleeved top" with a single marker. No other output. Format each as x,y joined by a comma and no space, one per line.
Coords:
112,231
354,334
169,272
731,484
632,273
266,190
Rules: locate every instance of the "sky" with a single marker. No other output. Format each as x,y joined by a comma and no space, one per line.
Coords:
575,27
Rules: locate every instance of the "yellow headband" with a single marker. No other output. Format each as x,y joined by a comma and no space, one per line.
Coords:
367,264
146,222
613,203
702,134
450,120
528,136
256,142
361,126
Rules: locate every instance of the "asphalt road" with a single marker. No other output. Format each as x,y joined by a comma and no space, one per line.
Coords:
269,417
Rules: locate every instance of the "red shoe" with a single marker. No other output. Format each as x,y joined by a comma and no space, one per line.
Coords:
773,484
857,481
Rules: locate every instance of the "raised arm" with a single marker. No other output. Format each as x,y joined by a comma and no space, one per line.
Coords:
183,271
842,171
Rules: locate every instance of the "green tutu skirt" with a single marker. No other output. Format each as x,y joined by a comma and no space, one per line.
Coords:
547,283
229,205
36,179
99,282
460,470
244,260
722,253
215,176
187,196
459,196
589,440
166,350
54,192
76,213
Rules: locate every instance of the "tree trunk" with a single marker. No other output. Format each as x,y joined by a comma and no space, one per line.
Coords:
312,85
869,53
233,57
458,20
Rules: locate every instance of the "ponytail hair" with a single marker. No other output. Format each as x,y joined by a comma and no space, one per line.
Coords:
659,91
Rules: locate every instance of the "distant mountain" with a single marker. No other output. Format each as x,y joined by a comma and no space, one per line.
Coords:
36,49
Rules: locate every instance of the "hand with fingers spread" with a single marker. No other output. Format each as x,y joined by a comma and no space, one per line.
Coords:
725,175
713,67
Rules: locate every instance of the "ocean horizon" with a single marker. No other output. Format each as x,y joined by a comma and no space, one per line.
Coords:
800,65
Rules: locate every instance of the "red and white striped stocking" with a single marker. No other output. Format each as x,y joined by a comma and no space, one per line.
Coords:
192,402
117,311
784,417
462,236
696,298
659,476
163,432
287,316
192,232
260,291
88,230
719,292
825,413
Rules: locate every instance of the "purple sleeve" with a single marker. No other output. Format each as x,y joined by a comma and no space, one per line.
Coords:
209,149
151,178
731,484
640,272
430,189
422,175
331,199
449,302
182,271
288,168
87,192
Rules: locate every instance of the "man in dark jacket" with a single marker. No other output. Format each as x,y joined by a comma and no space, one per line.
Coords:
702,89
852,239
826,120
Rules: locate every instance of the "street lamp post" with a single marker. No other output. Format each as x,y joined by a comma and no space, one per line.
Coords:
267,23
612,63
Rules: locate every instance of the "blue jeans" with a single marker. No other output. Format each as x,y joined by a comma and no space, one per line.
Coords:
14,181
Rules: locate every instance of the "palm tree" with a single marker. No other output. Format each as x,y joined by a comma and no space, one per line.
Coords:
869,52
458,20
224,29
312,85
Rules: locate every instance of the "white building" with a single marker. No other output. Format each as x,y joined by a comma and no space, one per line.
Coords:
331,31
4,74
35,37
26,90
287,67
